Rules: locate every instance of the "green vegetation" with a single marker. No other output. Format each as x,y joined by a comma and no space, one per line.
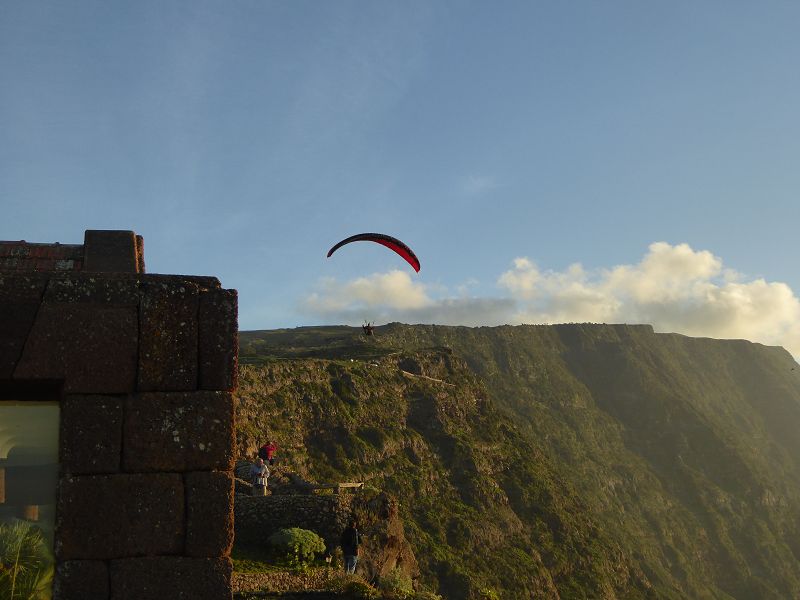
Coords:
297,547
583,461
26,565
361,590
396,585
254,560
332,343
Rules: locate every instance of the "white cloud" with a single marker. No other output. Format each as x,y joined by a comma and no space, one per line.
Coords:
394,290
394,296
674,288
522,279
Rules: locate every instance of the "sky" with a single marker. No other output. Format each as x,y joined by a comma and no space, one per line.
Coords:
548,162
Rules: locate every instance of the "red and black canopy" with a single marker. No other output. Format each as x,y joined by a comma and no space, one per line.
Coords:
385,240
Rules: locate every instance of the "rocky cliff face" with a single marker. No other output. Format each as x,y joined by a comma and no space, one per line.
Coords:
563,461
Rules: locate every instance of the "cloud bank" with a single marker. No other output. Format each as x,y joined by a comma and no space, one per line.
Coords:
674,288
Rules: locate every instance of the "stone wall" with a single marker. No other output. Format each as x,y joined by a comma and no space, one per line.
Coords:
258,517
146,365
384,545
108,251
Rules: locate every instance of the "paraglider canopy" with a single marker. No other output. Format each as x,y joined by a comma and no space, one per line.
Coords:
385,240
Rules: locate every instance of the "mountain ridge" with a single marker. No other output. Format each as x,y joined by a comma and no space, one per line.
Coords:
663,465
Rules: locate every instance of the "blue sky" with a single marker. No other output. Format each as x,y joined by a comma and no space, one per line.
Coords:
654,145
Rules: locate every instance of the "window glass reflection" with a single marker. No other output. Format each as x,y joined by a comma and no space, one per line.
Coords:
28,479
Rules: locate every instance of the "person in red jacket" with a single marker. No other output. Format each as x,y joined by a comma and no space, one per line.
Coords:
267,452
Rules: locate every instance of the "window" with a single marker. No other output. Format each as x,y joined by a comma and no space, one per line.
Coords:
28,481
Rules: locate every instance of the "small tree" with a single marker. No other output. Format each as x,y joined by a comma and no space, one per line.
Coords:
26,566
297,546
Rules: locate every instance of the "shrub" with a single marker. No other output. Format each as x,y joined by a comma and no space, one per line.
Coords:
396,584
488,594
297,546
362,590
425,596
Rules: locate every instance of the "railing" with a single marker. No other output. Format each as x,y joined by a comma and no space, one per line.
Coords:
337,487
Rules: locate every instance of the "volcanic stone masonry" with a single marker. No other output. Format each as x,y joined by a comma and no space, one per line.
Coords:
144,367
258,517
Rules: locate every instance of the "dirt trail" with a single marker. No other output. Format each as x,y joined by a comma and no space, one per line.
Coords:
407,374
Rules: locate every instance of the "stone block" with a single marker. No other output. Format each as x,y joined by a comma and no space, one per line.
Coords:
110,251
168,348
22,287
209,519
16,321
140,254
92,347
203,282
81,580
191,431
171,577
90,437
20,297
94,288
100,517
218,339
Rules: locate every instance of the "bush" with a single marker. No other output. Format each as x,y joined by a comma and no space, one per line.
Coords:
396,584
425,596
297,546
362,590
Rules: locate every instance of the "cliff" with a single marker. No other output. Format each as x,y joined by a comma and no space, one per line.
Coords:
550,461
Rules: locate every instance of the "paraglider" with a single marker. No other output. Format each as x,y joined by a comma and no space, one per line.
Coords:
385,240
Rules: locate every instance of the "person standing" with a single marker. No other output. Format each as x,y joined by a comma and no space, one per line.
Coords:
267,452
271,449
350,541
259,474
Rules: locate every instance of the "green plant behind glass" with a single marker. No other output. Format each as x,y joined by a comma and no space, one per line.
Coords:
26,565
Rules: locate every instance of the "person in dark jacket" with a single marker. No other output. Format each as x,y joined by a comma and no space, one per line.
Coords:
350,542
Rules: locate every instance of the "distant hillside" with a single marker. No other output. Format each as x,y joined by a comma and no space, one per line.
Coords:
571,461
